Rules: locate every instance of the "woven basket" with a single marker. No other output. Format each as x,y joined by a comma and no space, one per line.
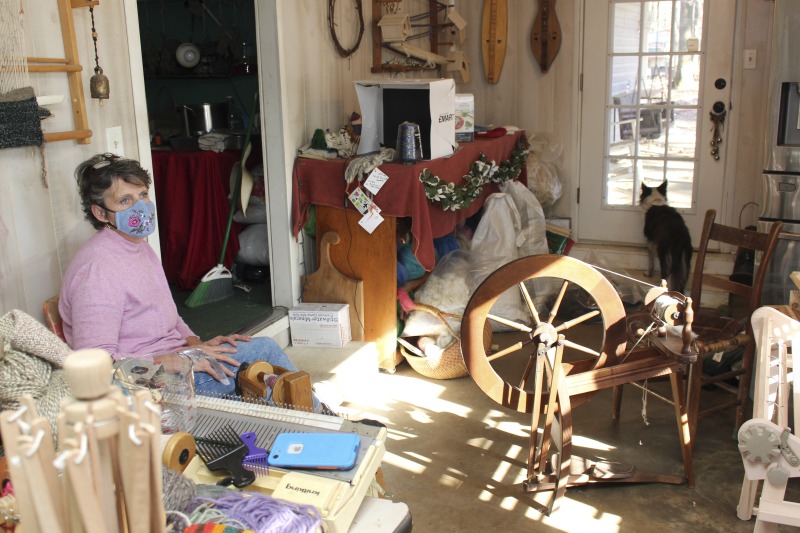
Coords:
450,364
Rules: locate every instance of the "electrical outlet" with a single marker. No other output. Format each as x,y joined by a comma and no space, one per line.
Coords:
750,57
114,141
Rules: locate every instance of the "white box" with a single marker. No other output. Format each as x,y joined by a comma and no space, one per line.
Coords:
323,325
387,104
465,118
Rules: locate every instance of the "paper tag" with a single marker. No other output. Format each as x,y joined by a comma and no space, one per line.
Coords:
718,357
371,220
375,181
360,200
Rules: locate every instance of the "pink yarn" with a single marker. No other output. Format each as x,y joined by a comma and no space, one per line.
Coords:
406,303
264,514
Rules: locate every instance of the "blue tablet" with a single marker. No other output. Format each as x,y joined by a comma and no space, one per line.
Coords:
315,451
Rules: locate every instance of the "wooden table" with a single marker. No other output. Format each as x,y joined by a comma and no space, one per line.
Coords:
373,257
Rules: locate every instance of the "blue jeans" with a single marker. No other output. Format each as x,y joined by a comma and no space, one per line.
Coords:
256,349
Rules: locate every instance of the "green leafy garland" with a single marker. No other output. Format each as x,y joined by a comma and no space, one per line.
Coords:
451,197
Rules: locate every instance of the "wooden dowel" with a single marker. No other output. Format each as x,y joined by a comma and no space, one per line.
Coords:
66,135
45,60
84,3
55,68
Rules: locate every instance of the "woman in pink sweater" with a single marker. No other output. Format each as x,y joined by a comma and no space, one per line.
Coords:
115,295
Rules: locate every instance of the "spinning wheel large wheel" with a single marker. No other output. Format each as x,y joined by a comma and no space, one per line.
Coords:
546,325
553,381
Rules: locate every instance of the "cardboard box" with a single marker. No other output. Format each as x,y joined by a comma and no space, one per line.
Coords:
428,103
322,325
465,118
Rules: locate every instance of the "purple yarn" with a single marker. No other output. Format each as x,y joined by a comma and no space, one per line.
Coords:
264,514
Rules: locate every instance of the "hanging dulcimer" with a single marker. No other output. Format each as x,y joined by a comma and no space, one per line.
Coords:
493,38
546,34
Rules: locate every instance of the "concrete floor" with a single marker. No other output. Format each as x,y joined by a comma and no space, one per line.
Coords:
457,458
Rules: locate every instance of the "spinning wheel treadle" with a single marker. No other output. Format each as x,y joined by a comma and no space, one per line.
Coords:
549,385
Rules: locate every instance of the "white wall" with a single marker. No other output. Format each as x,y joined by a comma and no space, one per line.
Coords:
45,224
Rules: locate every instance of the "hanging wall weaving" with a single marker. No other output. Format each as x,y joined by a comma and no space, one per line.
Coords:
20,114
20,119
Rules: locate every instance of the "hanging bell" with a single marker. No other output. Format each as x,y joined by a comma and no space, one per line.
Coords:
98,84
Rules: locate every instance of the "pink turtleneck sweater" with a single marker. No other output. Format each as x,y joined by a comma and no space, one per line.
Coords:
115,296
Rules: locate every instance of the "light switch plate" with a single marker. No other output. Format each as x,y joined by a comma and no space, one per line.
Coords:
114,141
750,58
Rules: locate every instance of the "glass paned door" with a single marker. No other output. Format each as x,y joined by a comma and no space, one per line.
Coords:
644,103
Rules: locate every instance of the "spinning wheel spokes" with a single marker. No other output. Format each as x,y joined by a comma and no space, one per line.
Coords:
509,323
557,304
582,348
511,349
529,274
529,302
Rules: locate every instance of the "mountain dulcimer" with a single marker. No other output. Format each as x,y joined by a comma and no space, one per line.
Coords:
494,36
546,34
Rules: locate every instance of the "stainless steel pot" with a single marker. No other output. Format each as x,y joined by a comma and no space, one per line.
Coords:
203,118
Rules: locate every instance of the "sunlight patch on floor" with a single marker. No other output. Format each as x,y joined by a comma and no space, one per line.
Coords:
585,442
403,463
575,516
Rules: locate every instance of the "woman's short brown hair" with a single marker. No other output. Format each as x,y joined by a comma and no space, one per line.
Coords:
96,175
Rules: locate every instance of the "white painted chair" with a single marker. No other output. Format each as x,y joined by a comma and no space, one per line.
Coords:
766,452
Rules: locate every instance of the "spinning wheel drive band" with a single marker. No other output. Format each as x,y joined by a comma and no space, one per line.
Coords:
545,326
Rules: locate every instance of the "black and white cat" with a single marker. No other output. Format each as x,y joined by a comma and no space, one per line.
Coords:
667,237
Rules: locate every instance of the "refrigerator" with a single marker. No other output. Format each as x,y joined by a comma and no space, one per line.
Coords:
780,181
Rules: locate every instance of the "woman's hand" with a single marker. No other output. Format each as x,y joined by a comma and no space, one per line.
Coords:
205,365
229,339
214,348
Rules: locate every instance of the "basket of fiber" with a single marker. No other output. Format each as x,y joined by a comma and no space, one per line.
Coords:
434,361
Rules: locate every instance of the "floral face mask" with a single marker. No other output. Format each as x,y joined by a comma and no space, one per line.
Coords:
139,220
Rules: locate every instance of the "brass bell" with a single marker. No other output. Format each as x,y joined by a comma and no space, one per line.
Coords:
98,84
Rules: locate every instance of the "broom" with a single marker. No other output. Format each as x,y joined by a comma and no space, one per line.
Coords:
217,284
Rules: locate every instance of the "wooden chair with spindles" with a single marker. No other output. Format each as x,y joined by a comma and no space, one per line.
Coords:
715,333
52,317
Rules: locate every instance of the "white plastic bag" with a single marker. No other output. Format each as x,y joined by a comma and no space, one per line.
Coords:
495,243
532,235
544,168
256,212
253,245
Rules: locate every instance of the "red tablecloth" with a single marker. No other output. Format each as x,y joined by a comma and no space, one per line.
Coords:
192,196
319,182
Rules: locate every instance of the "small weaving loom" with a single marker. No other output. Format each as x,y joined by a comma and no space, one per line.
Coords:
336,494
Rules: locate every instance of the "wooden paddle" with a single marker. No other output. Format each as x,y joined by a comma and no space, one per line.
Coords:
493,38
546,34
328,285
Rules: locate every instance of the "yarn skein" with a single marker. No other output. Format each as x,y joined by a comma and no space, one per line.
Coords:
264,514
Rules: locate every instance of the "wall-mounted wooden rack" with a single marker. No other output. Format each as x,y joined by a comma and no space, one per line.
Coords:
70,65
378,64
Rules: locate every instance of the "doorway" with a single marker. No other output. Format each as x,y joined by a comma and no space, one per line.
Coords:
650,83
218,68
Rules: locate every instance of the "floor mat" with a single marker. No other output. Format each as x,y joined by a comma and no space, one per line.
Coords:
229,315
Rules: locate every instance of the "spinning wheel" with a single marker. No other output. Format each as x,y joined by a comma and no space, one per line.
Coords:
550,384
545,326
